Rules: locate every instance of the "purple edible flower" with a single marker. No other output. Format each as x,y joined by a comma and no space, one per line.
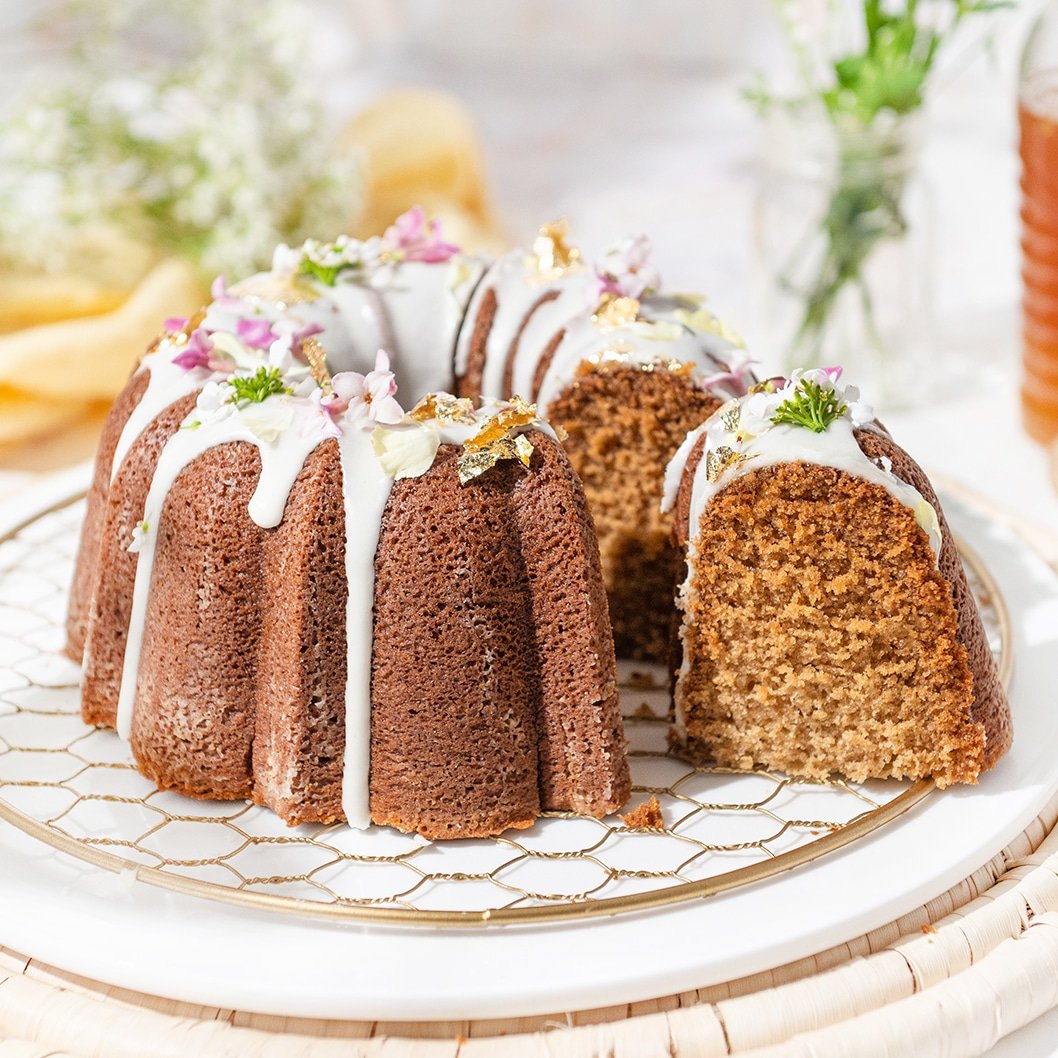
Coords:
411,238
255,332
199,354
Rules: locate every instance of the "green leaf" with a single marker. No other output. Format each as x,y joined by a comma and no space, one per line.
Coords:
267,382
327,274
812,407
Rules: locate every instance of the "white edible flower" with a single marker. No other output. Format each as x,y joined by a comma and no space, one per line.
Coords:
268,420
406,449
286,261
627,270
139,534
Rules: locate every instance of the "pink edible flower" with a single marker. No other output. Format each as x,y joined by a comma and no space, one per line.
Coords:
219,291
361,401
175,324
627,270
256,333
833,373
199,354
411,238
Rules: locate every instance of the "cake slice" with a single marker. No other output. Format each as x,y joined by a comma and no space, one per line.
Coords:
827,626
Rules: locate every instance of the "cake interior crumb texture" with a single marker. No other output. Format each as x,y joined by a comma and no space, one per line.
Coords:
624,425
821,637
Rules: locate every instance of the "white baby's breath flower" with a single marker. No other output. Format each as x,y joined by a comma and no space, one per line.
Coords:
201,151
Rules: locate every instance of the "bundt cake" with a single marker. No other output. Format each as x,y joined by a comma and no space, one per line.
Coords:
827,625
290,590
214,483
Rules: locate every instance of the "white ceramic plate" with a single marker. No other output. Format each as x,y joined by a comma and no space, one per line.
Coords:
116,930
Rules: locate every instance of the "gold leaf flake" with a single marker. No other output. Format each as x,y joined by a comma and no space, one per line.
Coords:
524,448
615,311
445,408
314,353
513,414
498,439
553,252
731,415
718,460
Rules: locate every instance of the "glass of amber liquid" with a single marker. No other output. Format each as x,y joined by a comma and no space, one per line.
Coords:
1038,122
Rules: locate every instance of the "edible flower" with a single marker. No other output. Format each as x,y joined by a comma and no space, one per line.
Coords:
362,401
411,238
256,332
627,271
200,353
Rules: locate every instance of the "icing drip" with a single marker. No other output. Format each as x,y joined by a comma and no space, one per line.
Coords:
365,490
281,462
836,448
166,384
667,331
519,285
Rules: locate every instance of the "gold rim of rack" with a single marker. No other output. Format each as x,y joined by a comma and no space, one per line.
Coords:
858,827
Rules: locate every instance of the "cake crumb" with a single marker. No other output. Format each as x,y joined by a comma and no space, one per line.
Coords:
646,816
928,928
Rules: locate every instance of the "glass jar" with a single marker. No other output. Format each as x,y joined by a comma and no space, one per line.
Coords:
1038,124
845,245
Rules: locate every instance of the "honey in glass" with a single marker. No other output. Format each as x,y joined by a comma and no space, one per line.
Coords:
1038,120
1038,124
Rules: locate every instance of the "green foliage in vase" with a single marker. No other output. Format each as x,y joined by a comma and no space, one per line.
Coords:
862,94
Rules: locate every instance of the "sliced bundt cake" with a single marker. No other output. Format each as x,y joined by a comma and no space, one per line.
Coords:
827,625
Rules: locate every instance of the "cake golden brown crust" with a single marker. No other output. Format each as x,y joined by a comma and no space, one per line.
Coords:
822,637
494,682
624,424
500,697
111,567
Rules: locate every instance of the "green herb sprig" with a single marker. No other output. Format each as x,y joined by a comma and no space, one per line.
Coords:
265,383
812,406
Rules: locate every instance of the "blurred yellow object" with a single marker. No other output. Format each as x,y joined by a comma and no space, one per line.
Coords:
69,341
90,357
420,148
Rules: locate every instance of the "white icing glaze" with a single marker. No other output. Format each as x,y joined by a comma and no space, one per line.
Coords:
518,286
836,447
413,311
166,384
638,343
365,490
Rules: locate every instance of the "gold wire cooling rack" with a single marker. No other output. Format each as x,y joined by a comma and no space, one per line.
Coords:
75,788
